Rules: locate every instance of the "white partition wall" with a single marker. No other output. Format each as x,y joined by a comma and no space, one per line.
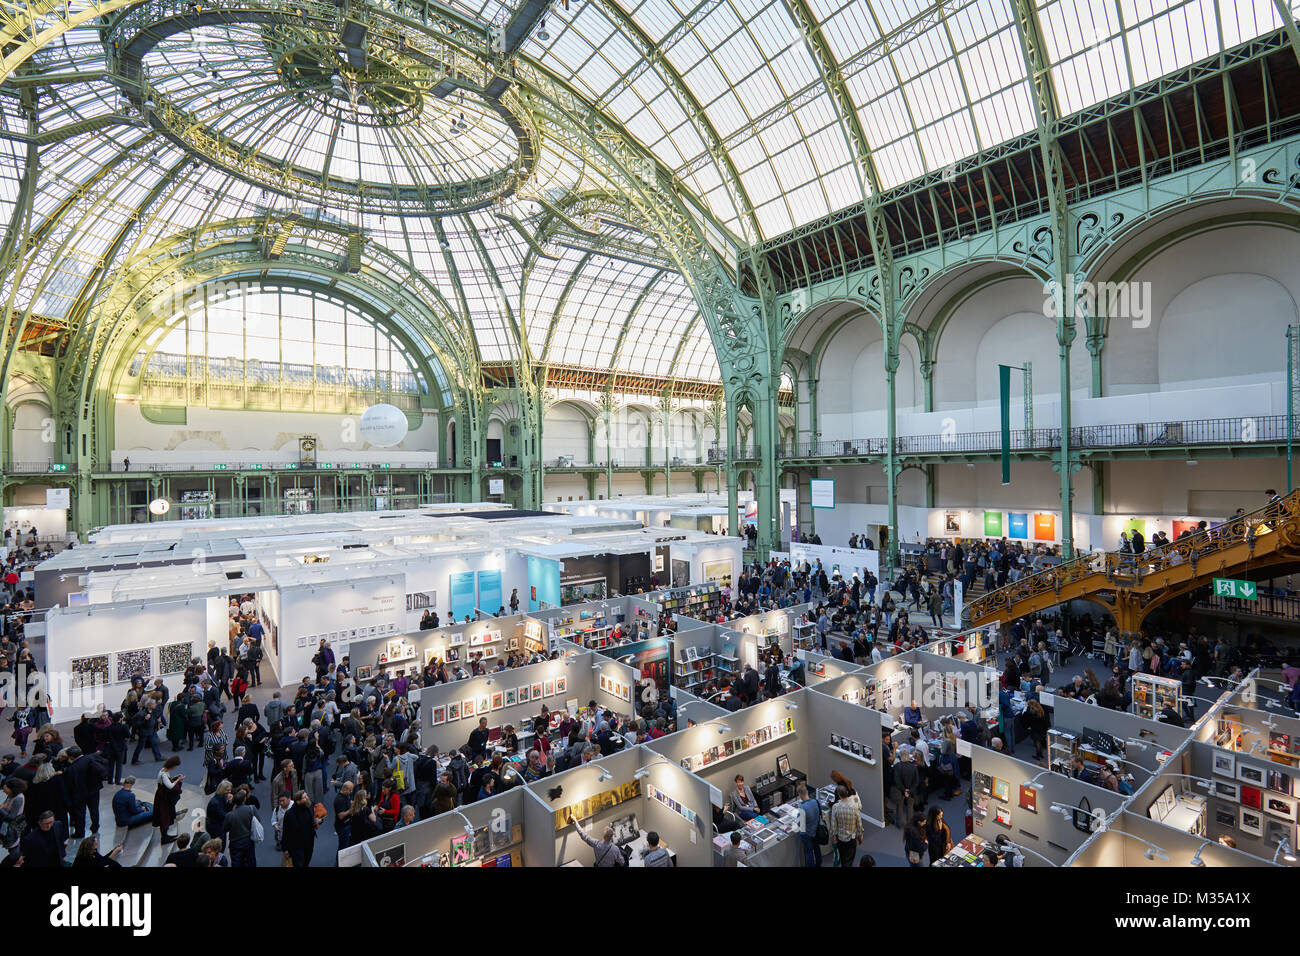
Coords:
495,837
846,738
339,611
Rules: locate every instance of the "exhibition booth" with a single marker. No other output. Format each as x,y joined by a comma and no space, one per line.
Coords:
341,578
633,792
848,563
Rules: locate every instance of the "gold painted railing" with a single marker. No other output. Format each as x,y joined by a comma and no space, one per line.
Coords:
1116,570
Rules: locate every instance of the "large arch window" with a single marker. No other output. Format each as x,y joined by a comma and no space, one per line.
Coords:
267,347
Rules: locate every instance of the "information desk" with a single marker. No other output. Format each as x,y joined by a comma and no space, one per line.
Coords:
775,837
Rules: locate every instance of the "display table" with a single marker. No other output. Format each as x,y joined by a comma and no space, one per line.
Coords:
778,832
640,843
965,853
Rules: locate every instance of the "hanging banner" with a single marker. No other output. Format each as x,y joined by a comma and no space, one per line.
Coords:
993,524
1004,396
1044,527
462,595
1018,523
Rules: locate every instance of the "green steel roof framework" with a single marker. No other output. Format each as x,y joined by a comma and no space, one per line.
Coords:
711,131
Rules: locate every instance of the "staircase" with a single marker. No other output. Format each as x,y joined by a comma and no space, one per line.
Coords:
1132,586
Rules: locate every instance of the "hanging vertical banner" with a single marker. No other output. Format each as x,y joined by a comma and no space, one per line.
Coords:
462,595
1004,396
993,524
1044,527
1018,523
489,590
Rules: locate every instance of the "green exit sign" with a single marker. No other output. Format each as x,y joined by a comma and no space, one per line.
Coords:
326,464
259,467
58,467
386,465
220,467
291,465
1230,587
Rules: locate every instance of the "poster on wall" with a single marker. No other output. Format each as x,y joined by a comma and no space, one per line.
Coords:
821,492
1181,527
718,572
1018,525
133,663
543,583
1136,524
462,595
993,524
952,522
174,658
489,590
596,803
1044,527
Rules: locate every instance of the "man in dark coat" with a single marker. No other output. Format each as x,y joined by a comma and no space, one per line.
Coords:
85,778
299,831
41,846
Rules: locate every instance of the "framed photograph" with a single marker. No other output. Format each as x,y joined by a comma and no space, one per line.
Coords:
89,671
1225,764
453,712
835,740
438,714
1252,797
548,689
854,748
1003,816
453,654
1225,790
467,707
457,639
524,696
1279,806
537,691
498,700
1250,822
1001,790
561,685
1248,773
689,654
1225,816
513,645
783,765
365,672
1279,781
430,653
484,704
174,658
512,697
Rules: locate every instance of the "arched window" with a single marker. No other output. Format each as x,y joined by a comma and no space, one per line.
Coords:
245,345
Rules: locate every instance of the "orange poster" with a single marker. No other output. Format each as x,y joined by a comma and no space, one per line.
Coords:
1044,527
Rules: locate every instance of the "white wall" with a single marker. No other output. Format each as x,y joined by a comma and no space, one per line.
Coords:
564,432
208,430
329,609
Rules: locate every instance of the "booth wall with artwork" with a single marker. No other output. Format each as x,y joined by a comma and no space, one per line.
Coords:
309,612
1003,806
490,576
111,642
443,706
818,668
847,561
492,637
498,825
833,728
1079,719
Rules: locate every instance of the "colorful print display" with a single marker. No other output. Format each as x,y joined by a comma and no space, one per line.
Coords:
132,663
88,671
596,803
174,658
673,805
736,745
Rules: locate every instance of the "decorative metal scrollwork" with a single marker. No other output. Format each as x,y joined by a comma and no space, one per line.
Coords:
1042,248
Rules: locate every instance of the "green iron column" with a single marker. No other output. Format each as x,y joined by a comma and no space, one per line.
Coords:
891,458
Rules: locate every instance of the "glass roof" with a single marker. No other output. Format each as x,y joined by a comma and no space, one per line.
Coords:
930,82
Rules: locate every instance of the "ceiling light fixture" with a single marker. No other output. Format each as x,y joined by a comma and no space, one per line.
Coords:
542,34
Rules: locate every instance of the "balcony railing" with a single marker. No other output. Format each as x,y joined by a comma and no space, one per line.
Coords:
1263,429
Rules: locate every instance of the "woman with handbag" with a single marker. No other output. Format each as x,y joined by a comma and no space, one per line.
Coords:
167,796
915,844
938,836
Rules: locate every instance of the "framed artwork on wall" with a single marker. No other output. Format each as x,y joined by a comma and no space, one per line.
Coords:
1252,797
1225,764
1250,822
548,689
365,672
1001,790
537,691
484,704
524,696
438,714
1248,773
561,685
453,712
1225,790
467,707
1003,816
88,671
1279,781
1280,806
498,700
174,658
512,697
